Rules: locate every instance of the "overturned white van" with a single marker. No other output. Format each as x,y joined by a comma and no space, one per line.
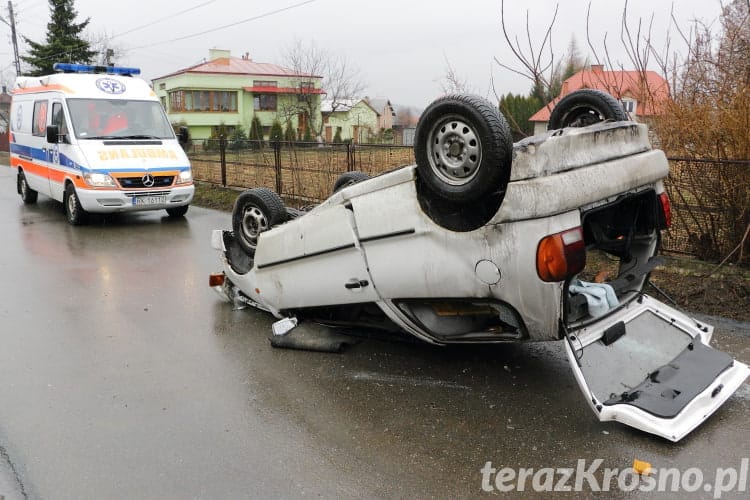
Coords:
97,139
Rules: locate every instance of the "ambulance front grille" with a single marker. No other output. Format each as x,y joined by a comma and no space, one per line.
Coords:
160,181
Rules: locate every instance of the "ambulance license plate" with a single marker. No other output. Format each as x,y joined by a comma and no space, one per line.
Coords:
149,200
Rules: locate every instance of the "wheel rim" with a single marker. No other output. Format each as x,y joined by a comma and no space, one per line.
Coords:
455,151
583,116
254,222
24,188
72,205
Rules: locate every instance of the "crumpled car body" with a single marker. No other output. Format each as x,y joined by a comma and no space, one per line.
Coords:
385,253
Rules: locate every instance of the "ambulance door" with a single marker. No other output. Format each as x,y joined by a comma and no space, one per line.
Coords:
37,170
60,154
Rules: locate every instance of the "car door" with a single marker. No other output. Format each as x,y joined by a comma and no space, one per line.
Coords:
314,260
650,366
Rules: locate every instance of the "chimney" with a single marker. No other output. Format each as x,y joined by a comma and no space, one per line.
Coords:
246,57
218,54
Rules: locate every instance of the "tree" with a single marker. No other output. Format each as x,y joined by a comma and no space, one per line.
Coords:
341,81
517,109
256,130
63,42
277,132
452,82
289,133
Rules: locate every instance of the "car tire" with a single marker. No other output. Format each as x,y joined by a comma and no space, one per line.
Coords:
28,195
256,210
177,211
463,148
349,178
585,107
74,212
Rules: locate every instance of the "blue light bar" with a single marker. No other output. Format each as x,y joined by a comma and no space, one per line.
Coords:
88,68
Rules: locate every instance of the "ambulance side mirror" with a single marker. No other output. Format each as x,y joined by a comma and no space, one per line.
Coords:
183,137
53,134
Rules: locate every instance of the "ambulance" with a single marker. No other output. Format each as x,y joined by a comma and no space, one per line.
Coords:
97,139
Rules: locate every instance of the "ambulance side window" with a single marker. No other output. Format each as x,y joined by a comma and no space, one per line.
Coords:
58,118
39,122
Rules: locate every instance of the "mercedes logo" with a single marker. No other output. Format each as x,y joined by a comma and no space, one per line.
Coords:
148,180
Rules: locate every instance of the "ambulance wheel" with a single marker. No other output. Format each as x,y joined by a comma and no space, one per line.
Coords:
585,107
74,212
28,195
348,178
463,147
256,210
177,211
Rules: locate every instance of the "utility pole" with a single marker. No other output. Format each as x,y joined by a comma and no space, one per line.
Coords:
12,25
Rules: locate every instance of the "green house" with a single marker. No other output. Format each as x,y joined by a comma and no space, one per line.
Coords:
352,119
231,91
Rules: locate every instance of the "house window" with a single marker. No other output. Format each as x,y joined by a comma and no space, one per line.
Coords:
203,100
628,105
264,102
265,83
162,86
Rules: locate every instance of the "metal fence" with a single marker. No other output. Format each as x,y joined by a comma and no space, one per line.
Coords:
710,207
300,172
710,198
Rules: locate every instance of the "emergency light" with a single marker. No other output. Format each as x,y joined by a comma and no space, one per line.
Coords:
89,68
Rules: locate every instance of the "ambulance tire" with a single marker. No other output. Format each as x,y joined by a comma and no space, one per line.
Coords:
28,195
74,212
177,211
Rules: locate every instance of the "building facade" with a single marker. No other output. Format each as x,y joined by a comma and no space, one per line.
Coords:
353,119
641,93
231,91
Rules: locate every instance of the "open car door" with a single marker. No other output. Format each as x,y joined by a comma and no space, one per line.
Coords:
649,366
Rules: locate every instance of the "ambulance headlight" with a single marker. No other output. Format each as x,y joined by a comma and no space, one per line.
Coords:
99,180
185,177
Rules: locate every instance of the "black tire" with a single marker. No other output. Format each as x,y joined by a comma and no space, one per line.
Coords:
28,195
349,178
74,212
585,107
464,149
256,210
178,211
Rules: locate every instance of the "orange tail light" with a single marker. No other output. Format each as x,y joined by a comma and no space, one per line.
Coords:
216,279
561,256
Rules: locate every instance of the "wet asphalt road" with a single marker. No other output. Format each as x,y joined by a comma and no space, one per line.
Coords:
122,375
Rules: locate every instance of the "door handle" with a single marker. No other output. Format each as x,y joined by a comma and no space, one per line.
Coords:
355,283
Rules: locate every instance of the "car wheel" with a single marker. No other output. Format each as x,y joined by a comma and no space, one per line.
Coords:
463,147
177,211
585,107
256,210
74,212
28,195
349,178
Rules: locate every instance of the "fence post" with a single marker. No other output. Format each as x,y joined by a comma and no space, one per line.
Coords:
349,156
277,165
223,159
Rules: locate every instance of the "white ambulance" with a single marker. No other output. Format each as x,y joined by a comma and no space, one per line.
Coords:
97,139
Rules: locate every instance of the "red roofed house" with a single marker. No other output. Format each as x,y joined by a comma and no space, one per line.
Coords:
641,94
232,90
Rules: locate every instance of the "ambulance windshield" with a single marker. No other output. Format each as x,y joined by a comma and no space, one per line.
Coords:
118,119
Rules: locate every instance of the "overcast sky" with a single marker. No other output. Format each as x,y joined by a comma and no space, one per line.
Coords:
400,46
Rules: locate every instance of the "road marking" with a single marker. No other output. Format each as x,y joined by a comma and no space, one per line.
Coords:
405,380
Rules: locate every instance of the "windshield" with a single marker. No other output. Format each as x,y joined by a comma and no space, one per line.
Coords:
118,119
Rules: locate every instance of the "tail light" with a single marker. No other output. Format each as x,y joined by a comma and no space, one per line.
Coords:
561,256
666,210
216,279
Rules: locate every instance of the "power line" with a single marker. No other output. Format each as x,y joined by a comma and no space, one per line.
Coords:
254,18
169,17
